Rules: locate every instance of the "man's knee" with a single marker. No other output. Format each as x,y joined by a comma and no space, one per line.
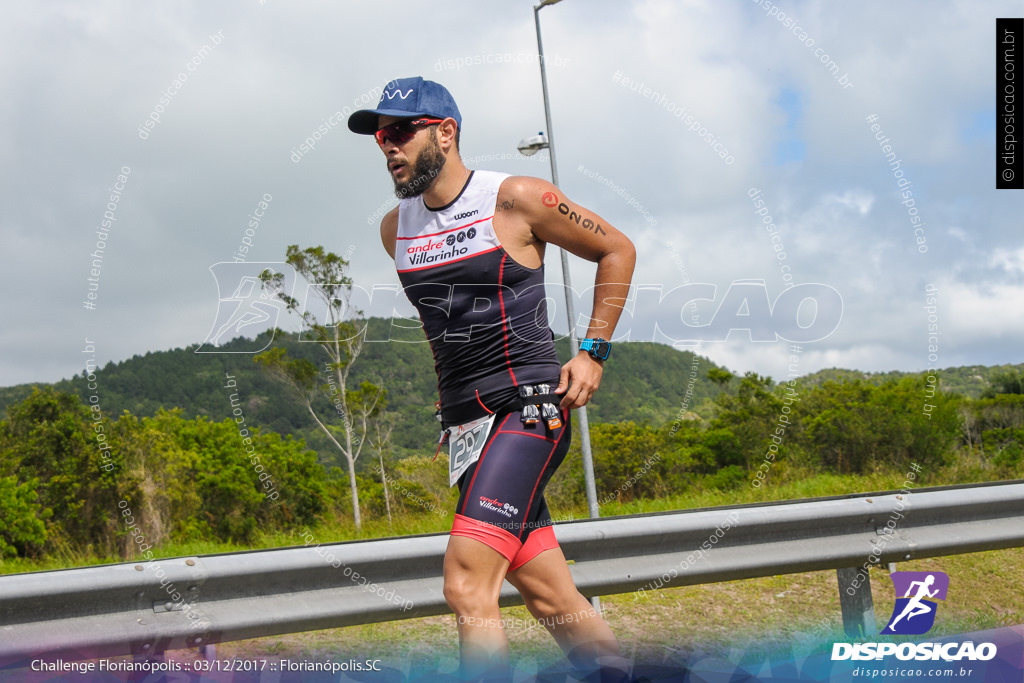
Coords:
544,603
455,593
473,574
542,607
465,595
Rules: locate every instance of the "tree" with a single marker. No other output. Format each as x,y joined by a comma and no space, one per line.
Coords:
1009,382
1003,411
381,443
51,437
342,339
858,427
742,431
21,519
720,376
200,479
627,462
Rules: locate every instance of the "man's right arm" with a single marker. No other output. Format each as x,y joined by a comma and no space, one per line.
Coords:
389,231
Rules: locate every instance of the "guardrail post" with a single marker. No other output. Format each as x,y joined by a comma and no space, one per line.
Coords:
857,605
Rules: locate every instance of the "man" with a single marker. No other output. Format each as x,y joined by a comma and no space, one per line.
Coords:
469,249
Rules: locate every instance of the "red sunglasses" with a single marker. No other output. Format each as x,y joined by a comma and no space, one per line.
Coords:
402,131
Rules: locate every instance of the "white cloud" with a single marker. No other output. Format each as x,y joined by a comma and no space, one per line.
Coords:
861,202
1010,260
79,78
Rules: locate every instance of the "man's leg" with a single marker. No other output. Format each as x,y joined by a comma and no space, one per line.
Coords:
473,573
551,596
500,496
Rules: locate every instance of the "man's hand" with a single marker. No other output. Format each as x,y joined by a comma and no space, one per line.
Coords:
579,380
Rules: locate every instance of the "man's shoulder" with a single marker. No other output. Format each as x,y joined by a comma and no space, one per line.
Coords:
390,220
527,197
389,230
517,186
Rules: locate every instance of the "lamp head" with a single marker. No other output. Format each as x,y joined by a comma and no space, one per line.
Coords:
531,145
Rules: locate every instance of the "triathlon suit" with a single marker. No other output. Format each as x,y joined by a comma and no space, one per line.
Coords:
485,317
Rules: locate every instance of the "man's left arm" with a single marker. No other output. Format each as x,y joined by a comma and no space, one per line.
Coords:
553,218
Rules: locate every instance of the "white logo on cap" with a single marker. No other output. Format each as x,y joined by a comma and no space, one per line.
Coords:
391,94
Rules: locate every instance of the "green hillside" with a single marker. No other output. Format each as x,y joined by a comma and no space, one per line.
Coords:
645,383
969,380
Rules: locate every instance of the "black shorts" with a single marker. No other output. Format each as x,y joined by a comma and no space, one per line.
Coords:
501,495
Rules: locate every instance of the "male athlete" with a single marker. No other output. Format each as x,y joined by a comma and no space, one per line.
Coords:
469,249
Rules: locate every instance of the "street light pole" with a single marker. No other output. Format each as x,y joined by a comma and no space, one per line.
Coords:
570,309
588,459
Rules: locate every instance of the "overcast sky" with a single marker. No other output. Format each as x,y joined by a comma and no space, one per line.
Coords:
627,80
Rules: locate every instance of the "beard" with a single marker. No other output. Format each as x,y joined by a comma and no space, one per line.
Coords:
424,172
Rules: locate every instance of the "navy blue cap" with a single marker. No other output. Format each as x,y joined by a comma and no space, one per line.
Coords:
407,97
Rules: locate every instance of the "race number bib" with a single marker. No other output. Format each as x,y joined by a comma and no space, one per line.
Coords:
465,444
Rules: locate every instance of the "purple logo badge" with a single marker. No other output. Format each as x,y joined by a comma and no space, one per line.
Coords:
916,593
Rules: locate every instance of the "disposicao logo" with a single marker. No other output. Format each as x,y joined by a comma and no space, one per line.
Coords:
914,613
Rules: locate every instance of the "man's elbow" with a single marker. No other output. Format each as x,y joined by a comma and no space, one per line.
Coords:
625,252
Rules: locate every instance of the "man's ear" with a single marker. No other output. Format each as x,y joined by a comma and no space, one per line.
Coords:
446,134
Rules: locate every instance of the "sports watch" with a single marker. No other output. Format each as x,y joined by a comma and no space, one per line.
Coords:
599,349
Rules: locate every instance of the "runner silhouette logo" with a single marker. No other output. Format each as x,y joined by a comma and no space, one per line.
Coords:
916,595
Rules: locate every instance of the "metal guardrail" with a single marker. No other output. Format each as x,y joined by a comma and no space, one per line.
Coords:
127,609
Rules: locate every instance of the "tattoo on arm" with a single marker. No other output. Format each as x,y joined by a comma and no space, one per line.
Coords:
550,200
505,205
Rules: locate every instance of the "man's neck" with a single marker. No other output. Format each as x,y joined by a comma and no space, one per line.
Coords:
448,185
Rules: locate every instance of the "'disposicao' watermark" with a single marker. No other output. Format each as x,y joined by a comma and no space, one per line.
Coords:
1009,160
328,123
778,247
793,26
250,449
102,234
380,591
783,422
396,484
628,484
693,558
103,444
652,313
186,602
888,531
496,58
931,382
250,231
153,120
680,112
903,184
621,191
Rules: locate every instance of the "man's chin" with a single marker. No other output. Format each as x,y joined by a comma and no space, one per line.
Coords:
414,187
403,190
